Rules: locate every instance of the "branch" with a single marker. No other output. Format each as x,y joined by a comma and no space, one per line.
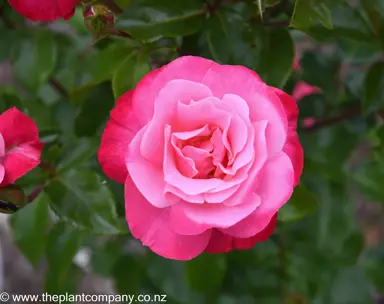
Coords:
326,122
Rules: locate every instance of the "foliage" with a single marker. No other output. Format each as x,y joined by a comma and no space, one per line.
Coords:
68,78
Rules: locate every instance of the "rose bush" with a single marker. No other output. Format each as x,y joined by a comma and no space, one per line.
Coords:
20,148
45,10
208,154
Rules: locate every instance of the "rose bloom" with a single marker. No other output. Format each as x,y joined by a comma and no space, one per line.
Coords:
45,10
208,154
20,148
302,89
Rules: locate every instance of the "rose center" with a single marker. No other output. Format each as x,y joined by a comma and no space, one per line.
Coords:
204,154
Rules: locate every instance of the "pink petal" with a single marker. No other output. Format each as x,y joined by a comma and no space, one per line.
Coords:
292,146
278,174
121,128
187,68
263,105
151,226
303,89
17,128
182,224
45,10
221,242
152,145
255,171
220,215
204,112
173,177
2,146
20,160
148,178
236,105
2,173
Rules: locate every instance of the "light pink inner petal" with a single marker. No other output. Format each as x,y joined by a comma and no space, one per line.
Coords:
202,160
148,178
263,104
255,172
175,178
220,215
197,114
237,134
236,105
196,199
203,131
173,93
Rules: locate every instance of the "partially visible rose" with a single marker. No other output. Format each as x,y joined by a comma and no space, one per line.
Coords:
45,10
302,89
20,148
208,154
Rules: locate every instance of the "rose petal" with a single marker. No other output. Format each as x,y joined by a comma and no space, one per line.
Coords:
120,130
2,146
2,173
151,226
148,178
152,145
255,171
17,128
20,160
150,86
221,242
45,10
173,177
292,146
220,215
263,105
278,174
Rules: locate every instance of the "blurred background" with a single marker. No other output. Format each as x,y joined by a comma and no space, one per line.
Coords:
328,247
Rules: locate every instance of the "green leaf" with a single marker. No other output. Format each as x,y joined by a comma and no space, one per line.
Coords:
301,204
129,73
68,284
83,197
369,179
105,257
64,242
308,12
350,285
95,110
78,154
374,88
276,59
216,34
34,58
150,19
128,274
169,277
29,228
206,272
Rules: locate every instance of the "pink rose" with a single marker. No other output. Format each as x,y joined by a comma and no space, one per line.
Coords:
302,89
208,154
20,148
45,10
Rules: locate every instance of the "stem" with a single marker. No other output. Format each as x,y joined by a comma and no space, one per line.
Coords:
35,193
326,122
